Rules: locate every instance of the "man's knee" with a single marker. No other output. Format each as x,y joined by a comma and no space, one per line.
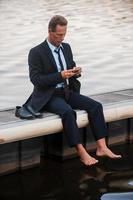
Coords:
99,105
97,108
69,113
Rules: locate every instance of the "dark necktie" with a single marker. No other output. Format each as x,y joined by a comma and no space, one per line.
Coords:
66,87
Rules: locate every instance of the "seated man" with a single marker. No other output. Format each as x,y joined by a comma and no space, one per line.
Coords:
54,74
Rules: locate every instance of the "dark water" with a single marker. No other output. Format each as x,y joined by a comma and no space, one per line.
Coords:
71,180
100,33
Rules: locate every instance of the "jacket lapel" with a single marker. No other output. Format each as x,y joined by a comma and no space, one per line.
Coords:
65,55
49,54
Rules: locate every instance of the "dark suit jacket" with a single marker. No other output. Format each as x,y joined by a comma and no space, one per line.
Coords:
44,75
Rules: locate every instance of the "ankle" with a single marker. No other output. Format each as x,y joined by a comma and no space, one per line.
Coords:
102,148
80,149
101,144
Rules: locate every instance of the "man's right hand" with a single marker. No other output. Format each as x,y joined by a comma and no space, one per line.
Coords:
67,73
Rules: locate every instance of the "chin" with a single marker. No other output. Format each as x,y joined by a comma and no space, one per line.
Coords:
58,43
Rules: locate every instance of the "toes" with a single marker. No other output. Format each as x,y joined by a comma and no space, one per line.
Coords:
117,156
91,161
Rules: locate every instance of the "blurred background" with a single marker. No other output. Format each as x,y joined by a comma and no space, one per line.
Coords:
100,34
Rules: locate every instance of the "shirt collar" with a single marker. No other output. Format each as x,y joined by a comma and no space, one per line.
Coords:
52,47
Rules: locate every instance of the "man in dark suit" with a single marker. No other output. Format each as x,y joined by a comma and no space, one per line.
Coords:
54,74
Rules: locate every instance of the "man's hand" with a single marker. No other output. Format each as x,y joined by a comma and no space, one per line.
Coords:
67,73
71,72
77,70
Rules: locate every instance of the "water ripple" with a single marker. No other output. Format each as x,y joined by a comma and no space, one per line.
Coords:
100,33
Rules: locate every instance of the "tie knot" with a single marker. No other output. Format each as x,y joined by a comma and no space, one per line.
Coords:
57,50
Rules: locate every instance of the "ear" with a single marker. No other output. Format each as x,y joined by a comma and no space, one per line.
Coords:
50,30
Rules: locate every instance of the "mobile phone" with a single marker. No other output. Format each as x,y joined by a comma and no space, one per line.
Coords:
76,69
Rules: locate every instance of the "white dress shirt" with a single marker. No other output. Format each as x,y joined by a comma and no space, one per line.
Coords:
55,55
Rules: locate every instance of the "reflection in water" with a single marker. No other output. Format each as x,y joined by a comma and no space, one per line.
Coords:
130,182
101,36
70,179
118,196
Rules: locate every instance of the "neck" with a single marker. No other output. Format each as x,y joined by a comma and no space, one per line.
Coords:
51,42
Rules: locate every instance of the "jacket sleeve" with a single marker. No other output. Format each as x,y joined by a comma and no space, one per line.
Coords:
72,62
36,73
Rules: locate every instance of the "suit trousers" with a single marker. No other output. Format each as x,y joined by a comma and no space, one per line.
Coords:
65,108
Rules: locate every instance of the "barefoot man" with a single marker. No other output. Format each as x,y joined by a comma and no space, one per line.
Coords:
54,75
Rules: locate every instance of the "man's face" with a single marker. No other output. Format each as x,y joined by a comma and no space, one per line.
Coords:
58,35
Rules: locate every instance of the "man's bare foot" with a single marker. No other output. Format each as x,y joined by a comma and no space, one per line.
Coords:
87,159
106,152
84,156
